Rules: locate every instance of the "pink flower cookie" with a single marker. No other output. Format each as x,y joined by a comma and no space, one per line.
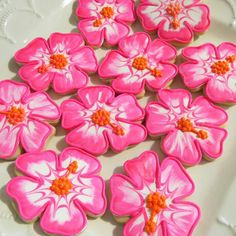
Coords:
214,67
59,190
99,120
192,128
62,61
24,118
105,20
139,62
151,197
176,21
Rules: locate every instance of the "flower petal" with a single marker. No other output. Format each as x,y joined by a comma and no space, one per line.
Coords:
226,49
69,81
36,50
12,92
125,199
64,219
125,10
92,197
135,44
183,146
89,138
65,43
87,9
87,164
34,135
31,202
42,107
90,95
143,170
174,180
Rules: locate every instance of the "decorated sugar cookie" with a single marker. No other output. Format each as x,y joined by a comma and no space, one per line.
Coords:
99,120
213,68
139,62
24,119
105,21
176,21
60,191
192,128
151,197
62,61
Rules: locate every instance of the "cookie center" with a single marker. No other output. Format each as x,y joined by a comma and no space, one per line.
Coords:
185,125
62,186
173,10
102,118
155,202
15,115
107,12
58,61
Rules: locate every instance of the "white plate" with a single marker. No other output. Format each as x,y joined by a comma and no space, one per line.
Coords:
23,20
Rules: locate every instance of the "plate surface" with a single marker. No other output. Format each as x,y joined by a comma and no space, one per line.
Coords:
23,20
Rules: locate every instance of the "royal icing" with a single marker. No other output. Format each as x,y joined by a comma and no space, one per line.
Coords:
212,67
139,62
24,118
99,120
105,20
192,128
174,20
60,190
152,196
62,61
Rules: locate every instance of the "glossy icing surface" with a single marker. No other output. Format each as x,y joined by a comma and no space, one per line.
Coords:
65,213
62,61
192,128
139,62
213,67
24,118
174,20
105,20
131,193
100,120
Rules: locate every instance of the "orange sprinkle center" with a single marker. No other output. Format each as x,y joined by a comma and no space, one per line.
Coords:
107,12
222,67
156,202
15,115
43,69
97,23
174,10
62,186
102,118
58,61
185,125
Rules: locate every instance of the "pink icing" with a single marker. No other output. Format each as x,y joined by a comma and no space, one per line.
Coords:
144,176
214,67
105,20
118,129
60,214
174,20
205,137
31,128
62,60
128,77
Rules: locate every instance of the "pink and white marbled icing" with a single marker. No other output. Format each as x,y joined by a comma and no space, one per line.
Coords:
99,120
24,118
192,128
62,61
105,20
61,213
139,62
175,20
131,195
213,67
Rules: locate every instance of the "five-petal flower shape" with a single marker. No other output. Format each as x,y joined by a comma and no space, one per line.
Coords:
152,197
175,20
192,128
100,120
60,190
214,67
105,20
139,62
62,61
24,118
